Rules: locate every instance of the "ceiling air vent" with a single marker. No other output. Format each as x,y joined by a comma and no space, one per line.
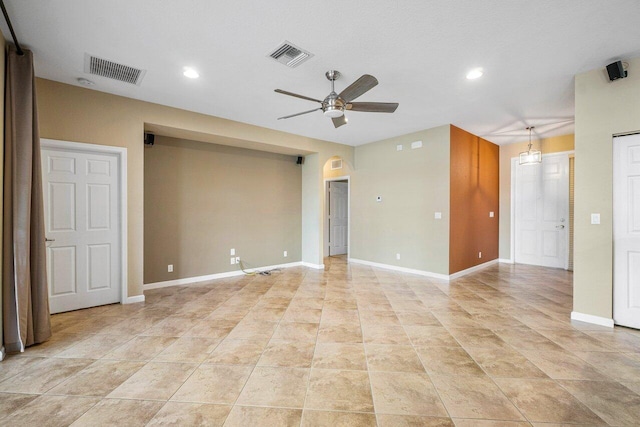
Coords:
112,70
290,55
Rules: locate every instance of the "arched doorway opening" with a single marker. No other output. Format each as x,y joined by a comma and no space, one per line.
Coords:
337,191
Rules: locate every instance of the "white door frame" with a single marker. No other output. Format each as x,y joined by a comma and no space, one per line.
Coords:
615,242
514,164
325,239
121,155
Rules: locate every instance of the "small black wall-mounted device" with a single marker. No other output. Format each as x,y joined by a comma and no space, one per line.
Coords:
149,138
300,160
616,71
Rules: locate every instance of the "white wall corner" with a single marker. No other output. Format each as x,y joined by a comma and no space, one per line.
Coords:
135,299
505,261
589,318
473,269
311,265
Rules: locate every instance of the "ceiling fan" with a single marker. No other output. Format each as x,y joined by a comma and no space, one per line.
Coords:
335,104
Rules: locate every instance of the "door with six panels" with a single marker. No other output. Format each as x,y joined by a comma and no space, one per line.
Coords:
82,204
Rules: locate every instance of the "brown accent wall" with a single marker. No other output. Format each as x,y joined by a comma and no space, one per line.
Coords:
474,193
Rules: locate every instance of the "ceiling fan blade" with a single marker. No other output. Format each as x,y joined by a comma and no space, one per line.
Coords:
299,114
373,107
357,88
339,121
284,92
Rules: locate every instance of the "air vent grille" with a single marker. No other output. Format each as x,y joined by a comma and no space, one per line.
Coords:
113,70
290,55
336,164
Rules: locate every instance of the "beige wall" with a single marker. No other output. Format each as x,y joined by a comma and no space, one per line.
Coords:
329,173
603,109
77,114
413,184
201,200
555,144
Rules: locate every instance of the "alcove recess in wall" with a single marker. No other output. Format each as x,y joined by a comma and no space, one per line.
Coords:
474,193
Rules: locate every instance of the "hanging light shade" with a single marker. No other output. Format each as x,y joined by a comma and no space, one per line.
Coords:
530,157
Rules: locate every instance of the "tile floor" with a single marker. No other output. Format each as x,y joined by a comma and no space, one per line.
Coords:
350,346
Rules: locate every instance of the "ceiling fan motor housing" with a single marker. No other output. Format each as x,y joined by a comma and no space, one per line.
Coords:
333,106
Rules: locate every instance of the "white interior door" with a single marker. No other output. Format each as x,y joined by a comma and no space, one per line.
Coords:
626,231
542,212
81,201
338,217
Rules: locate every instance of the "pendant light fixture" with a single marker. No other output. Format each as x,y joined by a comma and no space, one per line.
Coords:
530,157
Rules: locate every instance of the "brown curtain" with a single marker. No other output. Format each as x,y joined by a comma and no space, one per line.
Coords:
24,282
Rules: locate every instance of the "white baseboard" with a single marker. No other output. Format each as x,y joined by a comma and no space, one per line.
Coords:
206,278
589,318
401,269
311,265
423,272
133,300
505,261
2,353
473,269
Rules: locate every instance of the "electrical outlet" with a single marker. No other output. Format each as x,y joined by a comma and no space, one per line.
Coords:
285,254
437,215
232,252
170,268
233,260
595,218
491,214
237,260
479,254
397,256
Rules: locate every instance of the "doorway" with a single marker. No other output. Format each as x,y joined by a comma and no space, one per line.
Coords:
540,215
84,188
626,231
337,216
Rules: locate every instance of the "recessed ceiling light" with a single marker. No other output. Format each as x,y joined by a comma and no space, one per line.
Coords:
191,73
85,82
474,74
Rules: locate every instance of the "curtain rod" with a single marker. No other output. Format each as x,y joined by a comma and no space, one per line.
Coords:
13,34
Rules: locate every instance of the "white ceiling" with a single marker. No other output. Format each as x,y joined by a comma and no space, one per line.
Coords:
420,51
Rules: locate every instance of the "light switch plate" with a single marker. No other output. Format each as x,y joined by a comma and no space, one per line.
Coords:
399,147
437,215
595,218
491,215
232,252
170,268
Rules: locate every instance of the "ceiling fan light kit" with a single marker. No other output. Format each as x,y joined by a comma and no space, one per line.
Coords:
334,104
333,112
